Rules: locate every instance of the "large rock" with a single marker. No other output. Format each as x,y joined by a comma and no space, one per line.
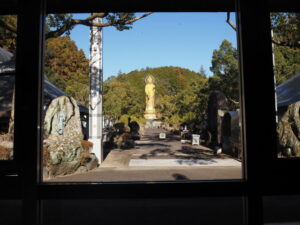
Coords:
6,146
64,150
6,153
63,118
288,130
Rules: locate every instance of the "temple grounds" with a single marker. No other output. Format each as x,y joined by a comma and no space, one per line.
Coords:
155,159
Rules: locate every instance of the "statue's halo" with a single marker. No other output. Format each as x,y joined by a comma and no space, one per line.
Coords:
149,77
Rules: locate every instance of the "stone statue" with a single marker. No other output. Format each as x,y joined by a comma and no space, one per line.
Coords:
150,98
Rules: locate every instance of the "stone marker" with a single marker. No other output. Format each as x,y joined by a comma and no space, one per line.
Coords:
162,135
64,151
63,118
195,139
288,128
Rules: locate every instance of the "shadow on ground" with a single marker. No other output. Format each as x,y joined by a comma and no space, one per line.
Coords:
184,153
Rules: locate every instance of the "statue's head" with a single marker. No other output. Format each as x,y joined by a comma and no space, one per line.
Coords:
149,79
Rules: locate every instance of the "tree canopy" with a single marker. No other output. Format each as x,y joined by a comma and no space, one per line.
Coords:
59,24
181,94
286,28
8,39
286,39
67,68
178,97
225,71
65,65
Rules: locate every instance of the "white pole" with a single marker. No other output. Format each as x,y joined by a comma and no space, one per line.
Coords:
273,59
96,74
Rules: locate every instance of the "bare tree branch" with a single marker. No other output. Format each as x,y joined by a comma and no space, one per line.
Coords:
295,44
60,31
95,15
229,21
122,21
138,18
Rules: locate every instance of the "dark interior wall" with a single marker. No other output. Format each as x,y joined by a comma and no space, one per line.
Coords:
10,212
183,211
145,211
282,209
207,211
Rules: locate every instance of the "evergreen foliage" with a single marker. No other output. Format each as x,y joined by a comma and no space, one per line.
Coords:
287,63
67,68
225,72
8,39
286,35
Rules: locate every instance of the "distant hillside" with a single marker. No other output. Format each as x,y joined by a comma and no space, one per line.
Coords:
124,94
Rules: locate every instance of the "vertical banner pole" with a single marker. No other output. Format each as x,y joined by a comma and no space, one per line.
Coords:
96,75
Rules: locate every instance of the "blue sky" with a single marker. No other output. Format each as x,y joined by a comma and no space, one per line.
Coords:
162,39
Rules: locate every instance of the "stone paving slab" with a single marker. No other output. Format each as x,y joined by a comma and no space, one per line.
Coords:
184,162
160,160
152,174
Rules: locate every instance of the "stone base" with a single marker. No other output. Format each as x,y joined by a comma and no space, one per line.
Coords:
97,148
150,123
150,116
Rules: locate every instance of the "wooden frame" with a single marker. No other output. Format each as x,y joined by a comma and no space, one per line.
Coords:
264,173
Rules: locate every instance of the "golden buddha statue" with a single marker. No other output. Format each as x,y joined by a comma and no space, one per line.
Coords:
150,98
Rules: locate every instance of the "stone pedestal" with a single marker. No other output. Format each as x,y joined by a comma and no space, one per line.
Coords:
97,148
149,123
149,116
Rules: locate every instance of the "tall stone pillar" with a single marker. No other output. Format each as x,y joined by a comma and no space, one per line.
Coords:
96,76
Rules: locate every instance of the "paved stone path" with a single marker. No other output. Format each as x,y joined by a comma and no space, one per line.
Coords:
154,159
152,151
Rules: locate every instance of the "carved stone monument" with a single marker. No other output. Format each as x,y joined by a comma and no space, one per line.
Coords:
64,150
195,139
288,128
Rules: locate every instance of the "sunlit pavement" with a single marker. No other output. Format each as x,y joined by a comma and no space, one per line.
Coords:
155,159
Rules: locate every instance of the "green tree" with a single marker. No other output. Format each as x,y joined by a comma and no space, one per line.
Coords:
8,36
287,63
118,100
179,94
65,65
286,28
225,71
67,68
286,40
